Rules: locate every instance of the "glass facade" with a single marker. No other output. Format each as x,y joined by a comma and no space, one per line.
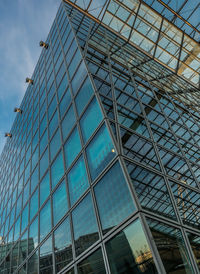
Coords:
102,172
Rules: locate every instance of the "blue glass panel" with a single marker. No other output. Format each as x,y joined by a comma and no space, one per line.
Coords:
91,119
85,225
52,107
65,102
46,260
78,77
43,142
24,220
74,63
55,144
34,179
34,204
53,124
63,245
72,147
100,152
62,87
84,96
44,162
77,180
60,206
33,235
113,198
44,188
45,220
57,170
68,122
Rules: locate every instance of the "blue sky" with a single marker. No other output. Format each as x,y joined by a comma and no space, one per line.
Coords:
23,23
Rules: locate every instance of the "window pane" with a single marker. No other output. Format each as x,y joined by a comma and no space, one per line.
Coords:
45,220
92,264
68,122
53,124
46,262
34,204
84,96
77,181
33,235
78,77
134,255
100,152
44,162
63,245
57,170
85,225
60,206
72,147
55,144
113,198
175,259
64,104
91,119
44,188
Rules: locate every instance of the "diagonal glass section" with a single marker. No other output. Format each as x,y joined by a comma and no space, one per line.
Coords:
187,201
151,190
138,148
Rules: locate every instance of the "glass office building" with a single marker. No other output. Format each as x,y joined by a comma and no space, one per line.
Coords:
101,173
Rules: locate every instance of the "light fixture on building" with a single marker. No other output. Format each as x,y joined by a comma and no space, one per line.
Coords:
28,80
44,45
18,110
7,134
113,150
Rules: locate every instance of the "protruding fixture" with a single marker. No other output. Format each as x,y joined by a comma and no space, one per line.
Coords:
18,110
44,45
7,134
28,80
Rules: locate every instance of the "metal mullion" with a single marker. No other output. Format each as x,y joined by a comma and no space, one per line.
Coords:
152,245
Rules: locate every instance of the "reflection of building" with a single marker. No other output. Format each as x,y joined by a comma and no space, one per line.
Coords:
108,133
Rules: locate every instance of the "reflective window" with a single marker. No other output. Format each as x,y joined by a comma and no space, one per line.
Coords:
24,218
60,205
113,198
63,245
44,188
195,244
91,119
34,179
74,63
33,235
34,204
92,264
65,102
45,220
55,144
100,152
78,77
53,124
72,147
77,180
62,87
84,96
85,225
68,122
151,190
33,264
134,255
46,261
43,142
175,259
44,162
57,170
